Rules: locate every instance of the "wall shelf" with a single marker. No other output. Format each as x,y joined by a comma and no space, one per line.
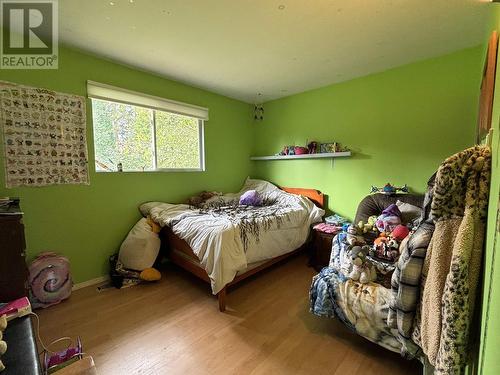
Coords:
326,155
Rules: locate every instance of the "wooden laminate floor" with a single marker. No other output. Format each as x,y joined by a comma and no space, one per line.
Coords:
174,327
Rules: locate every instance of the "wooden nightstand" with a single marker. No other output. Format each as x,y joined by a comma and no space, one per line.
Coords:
320,249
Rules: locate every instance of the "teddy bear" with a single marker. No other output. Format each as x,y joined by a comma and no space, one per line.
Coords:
400,232
353,235
362,270
3,344
389,219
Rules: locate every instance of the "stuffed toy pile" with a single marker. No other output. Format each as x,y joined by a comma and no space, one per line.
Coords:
392,232
361,261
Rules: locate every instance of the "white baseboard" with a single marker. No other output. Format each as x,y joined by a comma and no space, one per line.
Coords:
97,280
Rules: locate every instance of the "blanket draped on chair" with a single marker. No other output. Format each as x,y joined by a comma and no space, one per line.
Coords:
451,268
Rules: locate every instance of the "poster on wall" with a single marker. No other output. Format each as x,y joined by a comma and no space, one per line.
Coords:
44,136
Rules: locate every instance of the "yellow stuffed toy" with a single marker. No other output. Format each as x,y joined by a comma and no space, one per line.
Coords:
155,228
150,274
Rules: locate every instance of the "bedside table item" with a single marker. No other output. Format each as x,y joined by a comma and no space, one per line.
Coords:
320,249
336,220
327,228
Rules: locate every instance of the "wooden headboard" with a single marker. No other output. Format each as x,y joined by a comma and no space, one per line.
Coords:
316,196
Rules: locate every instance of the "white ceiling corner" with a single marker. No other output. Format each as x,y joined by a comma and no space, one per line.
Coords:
276,48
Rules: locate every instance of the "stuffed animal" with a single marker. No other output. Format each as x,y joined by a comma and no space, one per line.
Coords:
389,219
251,198
400,232
386,248
140,249
369,226
150,274
3,344
353,236
155,228
199,199
362,270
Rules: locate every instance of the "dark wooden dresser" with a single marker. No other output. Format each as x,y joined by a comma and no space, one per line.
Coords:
13,270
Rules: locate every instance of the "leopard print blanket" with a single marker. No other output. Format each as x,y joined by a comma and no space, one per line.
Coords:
452,266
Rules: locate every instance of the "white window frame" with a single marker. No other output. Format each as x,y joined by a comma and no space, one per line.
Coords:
107,93
201,147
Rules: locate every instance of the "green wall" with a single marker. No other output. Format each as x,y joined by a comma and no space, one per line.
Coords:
400,125
88,223
489,363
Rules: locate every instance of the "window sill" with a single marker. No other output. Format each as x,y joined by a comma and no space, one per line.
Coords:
160,170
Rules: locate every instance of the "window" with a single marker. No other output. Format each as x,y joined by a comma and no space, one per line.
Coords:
140,138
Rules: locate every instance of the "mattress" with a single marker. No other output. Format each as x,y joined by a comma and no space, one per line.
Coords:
228,237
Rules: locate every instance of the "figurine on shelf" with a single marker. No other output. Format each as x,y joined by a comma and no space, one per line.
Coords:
390,189
328,147
312,147
340,148
299,150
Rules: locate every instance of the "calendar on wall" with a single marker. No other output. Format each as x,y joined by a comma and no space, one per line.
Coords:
44,136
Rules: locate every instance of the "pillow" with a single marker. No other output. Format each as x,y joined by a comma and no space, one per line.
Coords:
251,198
409,212
261,186
140,248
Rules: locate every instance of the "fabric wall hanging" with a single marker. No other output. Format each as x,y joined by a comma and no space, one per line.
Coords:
44,135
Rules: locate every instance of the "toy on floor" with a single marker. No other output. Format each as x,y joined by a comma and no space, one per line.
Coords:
54,361
150,274
390,189
362,270
137,255
49,280
141,247
3,344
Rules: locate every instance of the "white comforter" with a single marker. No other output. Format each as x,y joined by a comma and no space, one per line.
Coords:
217,240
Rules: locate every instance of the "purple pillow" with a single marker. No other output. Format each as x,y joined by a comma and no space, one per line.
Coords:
251,198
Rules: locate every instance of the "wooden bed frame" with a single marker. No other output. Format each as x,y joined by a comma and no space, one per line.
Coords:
175,242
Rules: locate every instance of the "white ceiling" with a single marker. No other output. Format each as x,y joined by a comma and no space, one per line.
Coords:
240,48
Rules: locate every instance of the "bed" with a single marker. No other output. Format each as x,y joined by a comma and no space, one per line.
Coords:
222,242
